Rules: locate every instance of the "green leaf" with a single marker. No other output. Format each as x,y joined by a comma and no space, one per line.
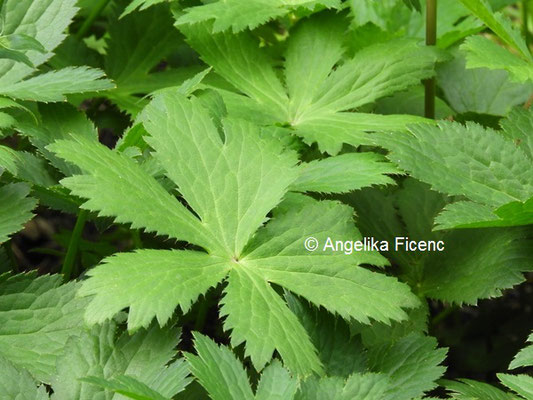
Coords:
467,389
99,354
26,166
239,16
218,370
344,173
16,383
139,5
55,85
56,122
205,157
480,90
16,208
137,44
413,4
518,126
126,180
318,109
126,386
463,160
341,353
367,386
477,264
524,358
122,281
484,53
45,22
412,364
231,180
500,25
521,384
276,383
37,317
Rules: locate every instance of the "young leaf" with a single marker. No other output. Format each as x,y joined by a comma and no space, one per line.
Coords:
231,184
16,208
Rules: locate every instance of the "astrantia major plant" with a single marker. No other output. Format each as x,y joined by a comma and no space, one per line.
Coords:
184,184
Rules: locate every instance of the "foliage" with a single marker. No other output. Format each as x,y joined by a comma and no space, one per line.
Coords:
208,174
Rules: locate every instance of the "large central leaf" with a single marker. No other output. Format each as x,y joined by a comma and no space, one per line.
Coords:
231,180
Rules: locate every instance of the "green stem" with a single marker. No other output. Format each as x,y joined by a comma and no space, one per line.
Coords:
73,246
202,315
443,315
11,256
525,22
431,40
136,237
96,11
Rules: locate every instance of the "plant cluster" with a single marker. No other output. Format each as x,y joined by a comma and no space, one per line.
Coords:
191,164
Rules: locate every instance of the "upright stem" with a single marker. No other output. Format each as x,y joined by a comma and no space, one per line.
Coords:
90,19
525,22
72,251
431,40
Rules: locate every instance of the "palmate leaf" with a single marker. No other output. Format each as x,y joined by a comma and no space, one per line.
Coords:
322,88
468,160
97,361
231,183
239,15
